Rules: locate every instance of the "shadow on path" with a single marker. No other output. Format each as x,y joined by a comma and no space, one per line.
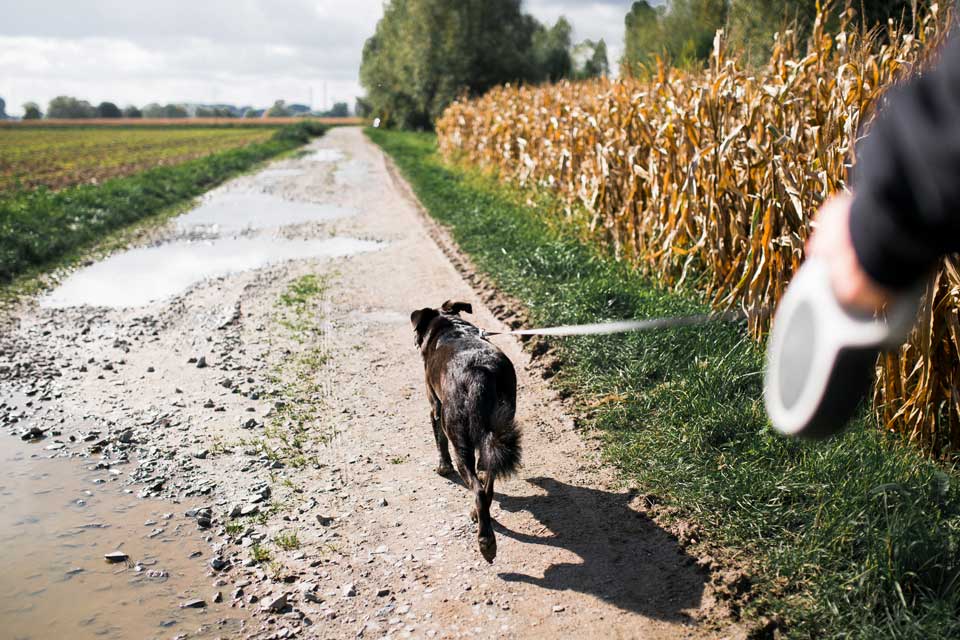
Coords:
626,559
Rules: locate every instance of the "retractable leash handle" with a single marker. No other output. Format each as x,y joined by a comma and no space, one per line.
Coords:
820,356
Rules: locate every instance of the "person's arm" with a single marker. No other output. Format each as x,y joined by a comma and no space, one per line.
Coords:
905,212
906,209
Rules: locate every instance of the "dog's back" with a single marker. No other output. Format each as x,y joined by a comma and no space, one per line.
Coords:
472,389
477,387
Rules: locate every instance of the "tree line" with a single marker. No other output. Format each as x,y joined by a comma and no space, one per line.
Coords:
424,53
70,108
681,31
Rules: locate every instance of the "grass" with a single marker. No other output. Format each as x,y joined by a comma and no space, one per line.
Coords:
287,540
39,227
259,554
298,383
858,537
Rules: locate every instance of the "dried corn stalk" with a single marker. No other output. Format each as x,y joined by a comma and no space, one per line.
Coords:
711,179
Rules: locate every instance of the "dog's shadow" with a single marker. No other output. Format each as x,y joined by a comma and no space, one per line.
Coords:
626,559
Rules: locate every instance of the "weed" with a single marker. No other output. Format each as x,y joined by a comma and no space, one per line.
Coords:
259,554
288,541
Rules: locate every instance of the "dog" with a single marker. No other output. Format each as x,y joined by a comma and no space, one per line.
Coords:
472,389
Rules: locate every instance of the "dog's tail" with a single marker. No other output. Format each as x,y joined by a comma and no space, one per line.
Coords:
500,447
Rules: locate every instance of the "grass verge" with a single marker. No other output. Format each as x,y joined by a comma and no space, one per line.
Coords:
858,537
39,227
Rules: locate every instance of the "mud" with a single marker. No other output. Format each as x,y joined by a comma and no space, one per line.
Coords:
282,407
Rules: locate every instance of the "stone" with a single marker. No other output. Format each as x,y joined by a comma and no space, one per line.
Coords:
383,592
201,362
218,597
115,556
33,433
349,590
325,521
559,608
195,603
218,563
276,604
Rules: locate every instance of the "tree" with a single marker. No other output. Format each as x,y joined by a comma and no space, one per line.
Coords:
278,110
752,23
3,109
339,110
31,111
154,110
642,39
214,112
362,108
70,108
551,51
132,112
595,63
108,110
424,53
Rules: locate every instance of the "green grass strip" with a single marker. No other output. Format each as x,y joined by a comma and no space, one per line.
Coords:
39,226
858,537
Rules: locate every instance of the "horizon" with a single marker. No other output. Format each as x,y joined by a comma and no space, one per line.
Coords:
250,55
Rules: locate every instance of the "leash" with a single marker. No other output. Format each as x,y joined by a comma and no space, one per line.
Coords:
603,328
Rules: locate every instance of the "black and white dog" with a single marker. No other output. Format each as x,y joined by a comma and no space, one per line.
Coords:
472,388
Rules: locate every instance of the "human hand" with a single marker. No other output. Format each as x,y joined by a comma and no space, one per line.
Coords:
831,241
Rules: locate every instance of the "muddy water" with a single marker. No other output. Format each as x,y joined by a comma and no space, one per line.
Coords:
140,276
54,580
234,212
238,227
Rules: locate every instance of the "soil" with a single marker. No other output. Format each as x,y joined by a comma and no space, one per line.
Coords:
302,448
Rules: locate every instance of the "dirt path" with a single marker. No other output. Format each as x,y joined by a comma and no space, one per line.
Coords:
309,425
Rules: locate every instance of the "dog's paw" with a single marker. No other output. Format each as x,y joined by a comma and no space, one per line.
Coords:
444,469
473,515
488,548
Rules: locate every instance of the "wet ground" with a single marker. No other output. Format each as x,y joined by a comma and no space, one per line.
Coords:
59,519
250,370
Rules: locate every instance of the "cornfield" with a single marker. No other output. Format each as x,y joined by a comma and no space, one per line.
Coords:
710,179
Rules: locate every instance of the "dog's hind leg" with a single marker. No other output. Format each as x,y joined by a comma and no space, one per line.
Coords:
445,467
466,463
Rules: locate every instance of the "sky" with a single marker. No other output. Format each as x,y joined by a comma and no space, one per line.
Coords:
243,52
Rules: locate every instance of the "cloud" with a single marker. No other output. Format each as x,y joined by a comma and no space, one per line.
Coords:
237,51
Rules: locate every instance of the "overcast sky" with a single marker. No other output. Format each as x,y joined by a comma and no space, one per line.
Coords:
245,52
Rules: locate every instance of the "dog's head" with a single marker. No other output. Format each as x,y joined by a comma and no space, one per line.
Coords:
421,318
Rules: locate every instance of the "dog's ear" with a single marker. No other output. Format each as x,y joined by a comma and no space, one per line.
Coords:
456,307
420,319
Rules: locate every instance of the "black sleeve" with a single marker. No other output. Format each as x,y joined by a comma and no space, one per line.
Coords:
906,207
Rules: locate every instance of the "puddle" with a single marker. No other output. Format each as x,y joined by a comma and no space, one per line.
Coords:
279,173
324,155
55,527
140,276
233,212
